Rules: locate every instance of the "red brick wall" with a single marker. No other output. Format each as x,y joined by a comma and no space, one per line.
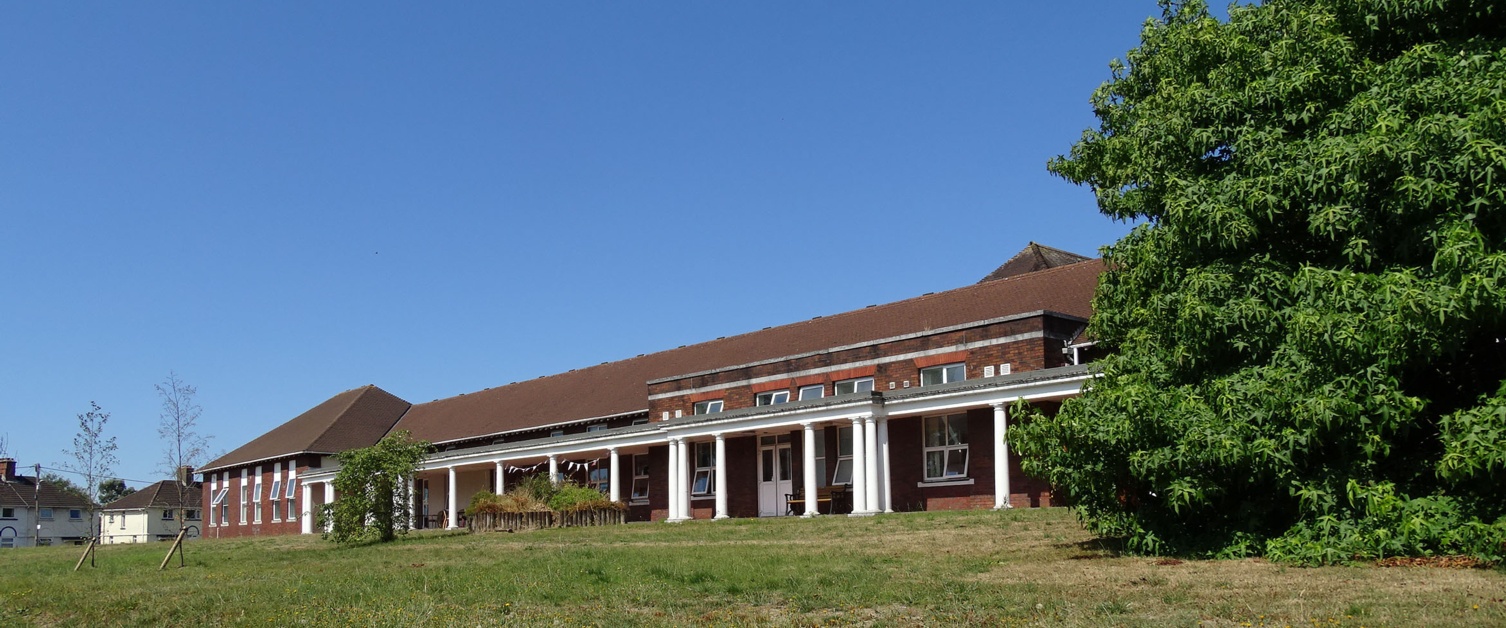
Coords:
1023,355
267,527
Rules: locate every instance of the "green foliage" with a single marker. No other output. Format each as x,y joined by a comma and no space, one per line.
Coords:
538,486
372,501
113,489
1310,320
572,497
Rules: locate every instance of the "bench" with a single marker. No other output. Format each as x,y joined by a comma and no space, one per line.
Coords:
833,497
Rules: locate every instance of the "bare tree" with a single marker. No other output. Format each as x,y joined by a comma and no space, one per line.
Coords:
4,445
183,445
93,454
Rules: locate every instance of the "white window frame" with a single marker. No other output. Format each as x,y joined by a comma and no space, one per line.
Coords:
946,449
943,374
291,503
818,389
256,499
245,502
45,514
276,498
75,514
554,433
599,427
820,434
844,461
190,514
167,514
710,406
857,385
640,479
772,398
703,483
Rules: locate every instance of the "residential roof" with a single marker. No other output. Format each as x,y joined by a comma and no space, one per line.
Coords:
618,388
350,420
164,494
1034,257
22,491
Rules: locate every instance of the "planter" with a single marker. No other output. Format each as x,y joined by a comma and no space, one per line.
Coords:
599,517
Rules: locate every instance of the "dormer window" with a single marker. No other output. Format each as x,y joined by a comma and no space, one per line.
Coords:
708,407
860,385
812,392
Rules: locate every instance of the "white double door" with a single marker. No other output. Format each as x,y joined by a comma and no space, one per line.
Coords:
776,464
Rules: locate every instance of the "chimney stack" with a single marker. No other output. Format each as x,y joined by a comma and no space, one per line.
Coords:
185,475
7,469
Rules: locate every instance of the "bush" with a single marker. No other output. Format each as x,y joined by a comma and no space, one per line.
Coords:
572,497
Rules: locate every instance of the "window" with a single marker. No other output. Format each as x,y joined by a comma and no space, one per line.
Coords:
944,374
275,498
704,482
600,478
843,474
772,397
708,407
44,542
292,501
640,421
555,433
245,500
812,392
640,477
167,514
223,508
75,515
855,386
601,427
8,542
7,513
946,447
256,500
46,514
191,515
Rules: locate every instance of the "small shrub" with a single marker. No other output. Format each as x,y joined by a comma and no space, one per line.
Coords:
571,497
537,485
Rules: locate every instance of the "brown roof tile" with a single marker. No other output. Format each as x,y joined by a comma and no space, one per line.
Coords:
1034,257
352,419
622,387
22,491
164,494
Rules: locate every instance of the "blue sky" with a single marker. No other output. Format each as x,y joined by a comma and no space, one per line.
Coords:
282,201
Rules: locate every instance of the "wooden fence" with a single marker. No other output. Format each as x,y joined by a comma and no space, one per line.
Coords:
520,521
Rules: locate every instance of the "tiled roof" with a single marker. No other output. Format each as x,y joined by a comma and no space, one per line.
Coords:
352,419
621,387
164,494
1034,257
22,491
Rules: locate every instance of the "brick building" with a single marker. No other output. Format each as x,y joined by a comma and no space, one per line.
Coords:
892,407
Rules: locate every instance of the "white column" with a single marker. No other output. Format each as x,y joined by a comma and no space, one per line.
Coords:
411,522
554,469
614,493
454,508
306,524
808,463
501,478
1001,457
673,479
684,484
859,469
721,477
885,476
870,441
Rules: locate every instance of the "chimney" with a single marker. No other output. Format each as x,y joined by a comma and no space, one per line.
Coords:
7,469
185,475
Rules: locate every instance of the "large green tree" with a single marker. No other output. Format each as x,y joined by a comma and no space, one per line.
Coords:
372,501
1309,319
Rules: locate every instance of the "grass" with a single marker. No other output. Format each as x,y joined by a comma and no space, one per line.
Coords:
1021,567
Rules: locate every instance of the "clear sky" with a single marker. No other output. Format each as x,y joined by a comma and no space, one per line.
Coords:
282,201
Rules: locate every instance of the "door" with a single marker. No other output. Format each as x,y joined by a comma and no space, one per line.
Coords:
775,474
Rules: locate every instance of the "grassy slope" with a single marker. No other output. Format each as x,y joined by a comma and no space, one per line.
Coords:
1019,567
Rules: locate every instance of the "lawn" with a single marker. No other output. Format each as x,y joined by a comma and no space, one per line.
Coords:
1012,568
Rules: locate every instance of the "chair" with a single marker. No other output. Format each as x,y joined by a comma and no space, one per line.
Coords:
791,500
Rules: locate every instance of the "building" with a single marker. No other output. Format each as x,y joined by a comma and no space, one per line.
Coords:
152,514
34,512
888,408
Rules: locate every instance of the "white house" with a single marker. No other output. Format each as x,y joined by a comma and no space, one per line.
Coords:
38,513
151,514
